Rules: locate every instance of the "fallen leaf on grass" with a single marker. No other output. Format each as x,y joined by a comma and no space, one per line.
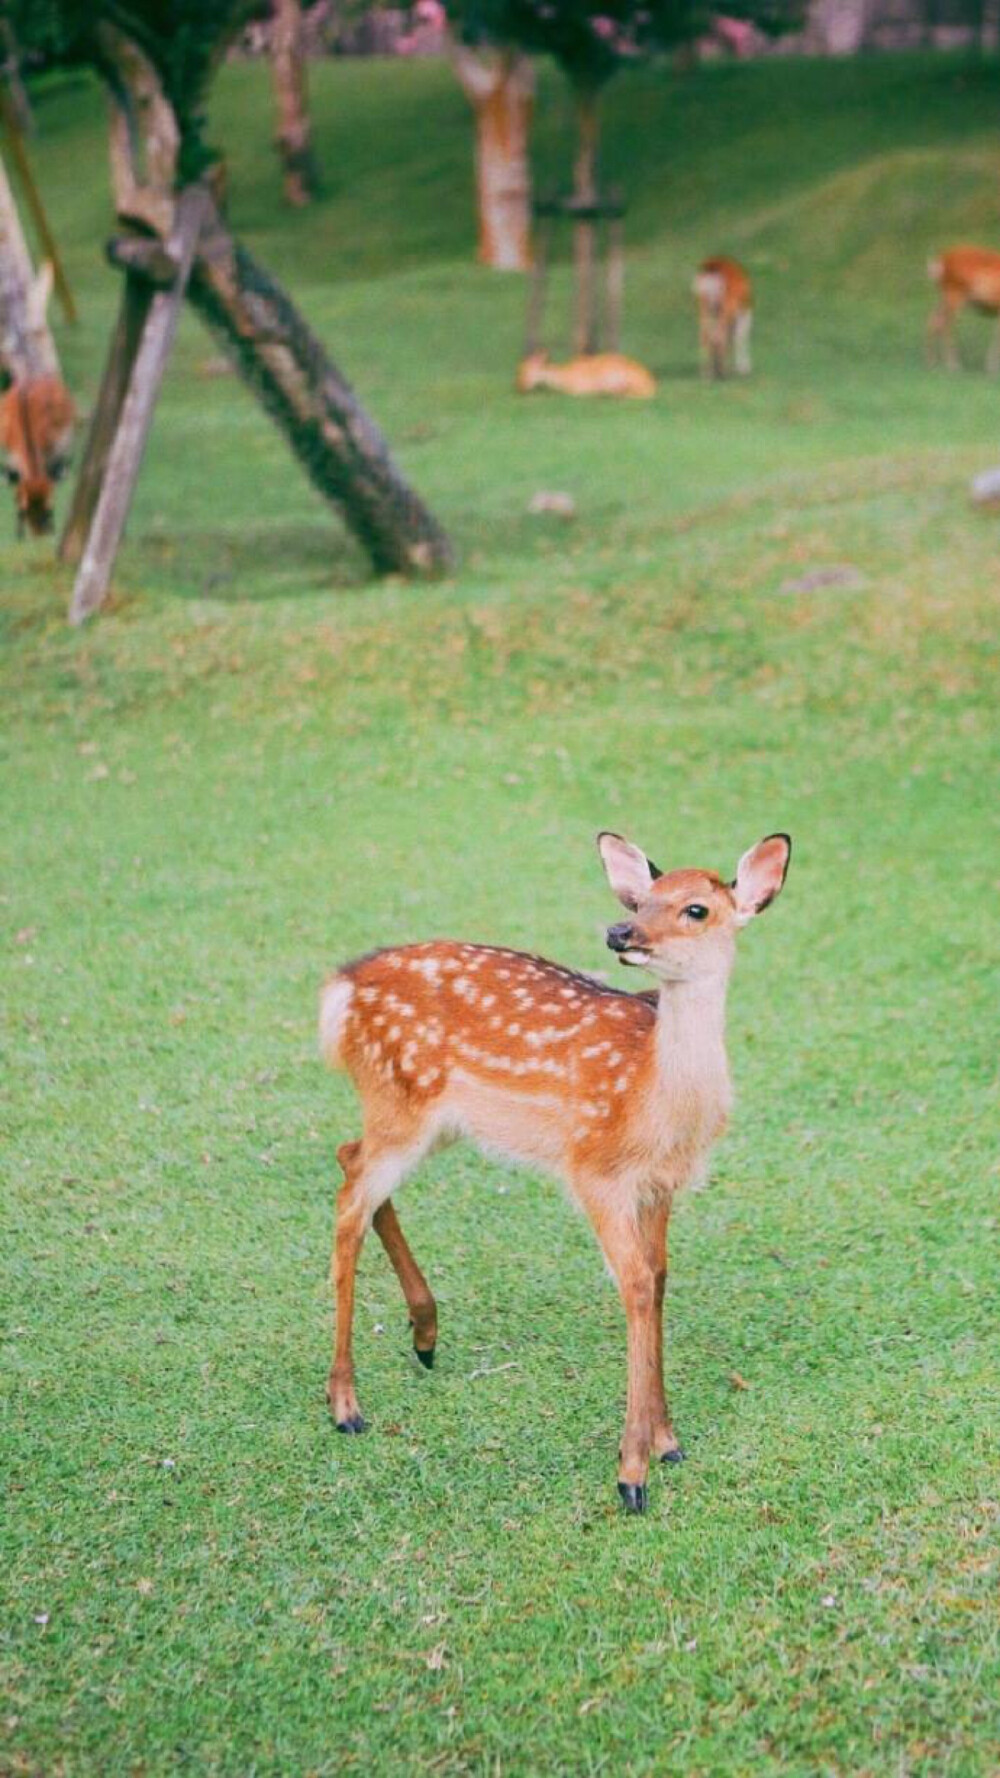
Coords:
738,1382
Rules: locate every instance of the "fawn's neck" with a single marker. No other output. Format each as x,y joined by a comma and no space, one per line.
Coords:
691,1045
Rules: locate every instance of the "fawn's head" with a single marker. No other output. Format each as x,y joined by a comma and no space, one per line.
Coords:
685,922
531,371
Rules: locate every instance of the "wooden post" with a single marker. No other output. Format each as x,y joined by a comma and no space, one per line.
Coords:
538,287
137,298
615,282
125,452
26,179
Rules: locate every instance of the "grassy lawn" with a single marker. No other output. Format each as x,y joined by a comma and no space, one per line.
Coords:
257,763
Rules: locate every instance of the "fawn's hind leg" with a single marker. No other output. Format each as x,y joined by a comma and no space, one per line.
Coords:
419,1300
369,1177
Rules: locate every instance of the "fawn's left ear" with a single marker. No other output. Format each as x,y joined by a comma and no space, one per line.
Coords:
760,875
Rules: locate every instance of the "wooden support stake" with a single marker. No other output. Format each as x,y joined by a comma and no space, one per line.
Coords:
615,284
26,179
136,414
137,299
538,287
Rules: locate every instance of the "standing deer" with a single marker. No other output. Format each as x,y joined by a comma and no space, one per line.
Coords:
618,1095
36,433
965,277
725,317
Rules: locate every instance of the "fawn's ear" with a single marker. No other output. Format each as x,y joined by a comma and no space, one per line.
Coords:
760,875
628,870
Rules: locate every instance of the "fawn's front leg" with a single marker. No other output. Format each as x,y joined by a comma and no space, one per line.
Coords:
629,1253
654,1229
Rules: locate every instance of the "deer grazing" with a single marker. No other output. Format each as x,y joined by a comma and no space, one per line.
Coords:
36,434
594,373
966,277
725,317
619,1095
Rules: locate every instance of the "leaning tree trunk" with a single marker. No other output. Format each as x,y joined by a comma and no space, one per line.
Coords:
340,448
585,233
292,134
500,86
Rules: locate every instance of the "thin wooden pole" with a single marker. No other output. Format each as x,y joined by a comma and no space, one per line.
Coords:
538,287
26,179
615,282
137,298
136,414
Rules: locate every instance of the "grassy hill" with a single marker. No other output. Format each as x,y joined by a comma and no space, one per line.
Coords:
258,762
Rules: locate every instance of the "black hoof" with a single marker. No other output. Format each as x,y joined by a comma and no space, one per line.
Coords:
354,1424
426,1358
677,1456
633,1496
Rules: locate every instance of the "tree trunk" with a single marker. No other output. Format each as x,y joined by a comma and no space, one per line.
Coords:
292,134
585,233
27,348
137,297
500,86
340,448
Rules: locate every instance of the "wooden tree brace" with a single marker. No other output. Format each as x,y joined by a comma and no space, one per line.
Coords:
145,257
136,414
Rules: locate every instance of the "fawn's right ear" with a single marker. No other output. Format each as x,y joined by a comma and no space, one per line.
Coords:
629,871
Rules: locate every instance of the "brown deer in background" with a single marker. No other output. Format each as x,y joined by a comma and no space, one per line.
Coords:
725,317
37,417
619,1095
966,277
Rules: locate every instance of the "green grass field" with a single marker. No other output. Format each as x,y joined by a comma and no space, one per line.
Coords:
258,763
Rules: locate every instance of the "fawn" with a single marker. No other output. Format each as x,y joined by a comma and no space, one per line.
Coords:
36,434
725,317
965,277
619,1095
595,373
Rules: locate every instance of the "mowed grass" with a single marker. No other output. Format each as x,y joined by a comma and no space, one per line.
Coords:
257,763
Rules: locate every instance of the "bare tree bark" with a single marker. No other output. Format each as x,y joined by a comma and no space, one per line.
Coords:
33,198
288,72
340,448
500,86
137,297
585,233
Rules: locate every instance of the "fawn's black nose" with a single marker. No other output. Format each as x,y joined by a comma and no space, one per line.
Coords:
619,937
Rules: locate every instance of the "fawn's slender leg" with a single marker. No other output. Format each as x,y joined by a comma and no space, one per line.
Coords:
368,1180
742,329
654,1229
419,1300
628,1254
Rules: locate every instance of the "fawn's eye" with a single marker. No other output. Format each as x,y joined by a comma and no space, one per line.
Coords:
696,911
12,474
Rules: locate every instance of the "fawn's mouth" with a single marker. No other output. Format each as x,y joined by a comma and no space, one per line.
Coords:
634,957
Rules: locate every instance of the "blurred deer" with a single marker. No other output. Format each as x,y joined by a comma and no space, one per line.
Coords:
37,417
618,1095
725,317
966,277
597,373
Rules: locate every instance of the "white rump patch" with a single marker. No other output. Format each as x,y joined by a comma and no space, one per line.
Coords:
334,1008
710,287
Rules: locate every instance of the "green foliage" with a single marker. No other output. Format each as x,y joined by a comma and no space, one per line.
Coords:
257,764
591,39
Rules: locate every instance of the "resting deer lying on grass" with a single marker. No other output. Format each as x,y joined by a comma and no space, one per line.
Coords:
967,277
596,373
616,1095
36,435
725,317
